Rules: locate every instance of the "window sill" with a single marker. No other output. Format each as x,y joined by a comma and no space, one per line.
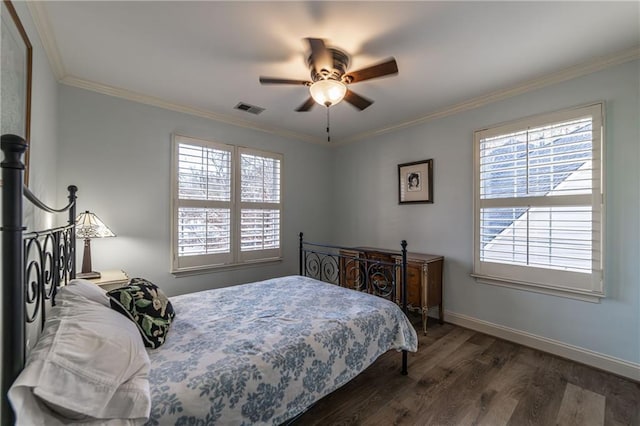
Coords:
201,270
584,296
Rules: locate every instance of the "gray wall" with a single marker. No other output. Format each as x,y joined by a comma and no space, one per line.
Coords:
367,176
118,153
44,127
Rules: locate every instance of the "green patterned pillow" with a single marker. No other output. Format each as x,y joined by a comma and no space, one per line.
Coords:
147,306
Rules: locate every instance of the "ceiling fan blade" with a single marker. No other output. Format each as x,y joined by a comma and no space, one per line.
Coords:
356,100
307,105
387,67
271,80
320,55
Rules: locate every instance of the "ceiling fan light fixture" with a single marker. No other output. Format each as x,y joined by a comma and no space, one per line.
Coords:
328,92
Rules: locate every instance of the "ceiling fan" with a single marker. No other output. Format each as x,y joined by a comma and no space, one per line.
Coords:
329,77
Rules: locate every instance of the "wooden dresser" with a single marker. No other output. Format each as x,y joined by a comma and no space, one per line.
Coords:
424,278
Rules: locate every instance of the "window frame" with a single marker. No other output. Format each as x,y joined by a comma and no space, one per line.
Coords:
581,286
235,258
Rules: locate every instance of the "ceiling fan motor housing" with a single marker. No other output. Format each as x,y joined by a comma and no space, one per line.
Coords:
340,65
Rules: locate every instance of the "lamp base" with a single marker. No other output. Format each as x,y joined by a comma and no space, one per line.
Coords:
88,275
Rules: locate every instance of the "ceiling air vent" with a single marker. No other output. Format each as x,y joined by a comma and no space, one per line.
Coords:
249,108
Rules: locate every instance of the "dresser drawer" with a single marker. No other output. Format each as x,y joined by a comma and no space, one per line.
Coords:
414,278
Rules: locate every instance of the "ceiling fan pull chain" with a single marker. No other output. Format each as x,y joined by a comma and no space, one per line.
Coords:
328,134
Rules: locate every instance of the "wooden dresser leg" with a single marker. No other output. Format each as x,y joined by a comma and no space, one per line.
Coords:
424,320
441,313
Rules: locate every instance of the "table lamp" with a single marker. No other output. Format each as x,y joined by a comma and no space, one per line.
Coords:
89,226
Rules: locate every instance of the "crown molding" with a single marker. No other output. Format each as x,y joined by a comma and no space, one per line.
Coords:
43,27
570,73
185,109
47,38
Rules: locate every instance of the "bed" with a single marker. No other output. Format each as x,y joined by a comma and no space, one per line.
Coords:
257,353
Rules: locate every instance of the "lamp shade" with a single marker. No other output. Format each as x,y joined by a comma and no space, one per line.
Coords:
88,225
328,92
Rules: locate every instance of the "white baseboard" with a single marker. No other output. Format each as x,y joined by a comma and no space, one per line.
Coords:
585,356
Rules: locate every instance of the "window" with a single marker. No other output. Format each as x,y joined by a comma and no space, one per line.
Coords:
538,203
227,204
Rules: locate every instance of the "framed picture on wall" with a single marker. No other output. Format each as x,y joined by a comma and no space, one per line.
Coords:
415,182
15,79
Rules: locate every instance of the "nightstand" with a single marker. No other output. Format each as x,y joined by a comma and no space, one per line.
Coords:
111,279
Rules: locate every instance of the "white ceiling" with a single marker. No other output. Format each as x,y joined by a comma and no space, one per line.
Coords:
205,57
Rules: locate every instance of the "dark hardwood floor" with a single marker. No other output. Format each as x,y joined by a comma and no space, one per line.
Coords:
462,377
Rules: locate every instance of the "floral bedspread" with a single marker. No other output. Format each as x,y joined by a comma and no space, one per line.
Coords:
262,353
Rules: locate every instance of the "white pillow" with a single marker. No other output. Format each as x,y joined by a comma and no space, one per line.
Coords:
86,289
89,365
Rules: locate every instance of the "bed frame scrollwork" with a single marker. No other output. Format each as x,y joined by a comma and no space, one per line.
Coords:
34,264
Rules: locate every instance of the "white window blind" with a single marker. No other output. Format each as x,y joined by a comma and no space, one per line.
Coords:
226,201
259,204
538,202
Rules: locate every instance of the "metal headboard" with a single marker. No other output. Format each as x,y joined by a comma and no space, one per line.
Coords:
33,264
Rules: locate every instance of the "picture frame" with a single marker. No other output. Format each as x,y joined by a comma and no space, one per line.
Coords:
415,182
15,80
